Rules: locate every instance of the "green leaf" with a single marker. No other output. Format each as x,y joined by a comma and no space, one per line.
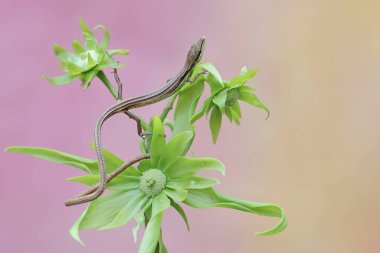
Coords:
215,123
118,52
177,146
102,211
158,144
181,212
220,99
128,212
54,156
188,166
252,99
208,197
60,80
186,104
106,37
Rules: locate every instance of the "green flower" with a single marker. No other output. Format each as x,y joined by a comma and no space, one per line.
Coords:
145,192
225,97
88,60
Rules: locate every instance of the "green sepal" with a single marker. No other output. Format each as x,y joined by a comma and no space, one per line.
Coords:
252,99
60,80
181,212
210,198
55,156
215,122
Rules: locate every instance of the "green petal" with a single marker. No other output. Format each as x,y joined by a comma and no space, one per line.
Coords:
87,78
106,37
244,76
174,192
215,123
88,36
102,211
177,146
228,112
63,55
195,182
78,47
74,69
90,61
208,197
128,212
54,156
188,166
158,143
181,212
213,78
235,112
118,51
202,111
236,108
252,99
220,99
246,89
160,203
153,230
60,80
108,62
145,165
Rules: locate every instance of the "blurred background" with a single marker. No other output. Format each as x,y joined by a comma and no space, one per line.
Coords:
317,155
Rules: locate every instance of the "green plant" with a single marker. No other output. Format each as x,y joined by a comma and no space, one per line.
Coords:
169,176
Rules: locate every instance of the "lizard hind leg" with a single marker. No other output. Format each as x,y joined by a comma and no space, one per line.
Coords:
138,122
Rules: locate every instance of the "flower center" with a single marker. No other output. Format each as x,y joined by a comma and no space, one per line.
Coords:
232,96
152,182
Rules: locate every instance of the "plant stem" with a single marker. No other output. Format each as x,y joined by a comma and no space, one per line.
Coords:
168,107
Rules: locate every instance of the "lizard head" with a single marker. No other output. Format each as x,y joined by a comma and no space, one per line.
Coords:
195,52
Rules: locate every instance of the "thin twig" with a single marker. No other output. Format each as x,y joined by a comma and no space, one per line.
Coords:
116,172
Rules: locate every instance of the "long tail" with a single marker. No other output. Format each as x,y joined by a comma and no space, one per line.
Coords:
101,163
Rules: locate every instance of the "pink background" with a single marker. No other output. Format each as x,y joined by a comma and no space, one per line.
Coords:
317,155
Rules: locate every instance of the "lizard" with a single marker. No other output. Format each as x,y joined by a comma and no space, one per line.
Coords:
170,88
